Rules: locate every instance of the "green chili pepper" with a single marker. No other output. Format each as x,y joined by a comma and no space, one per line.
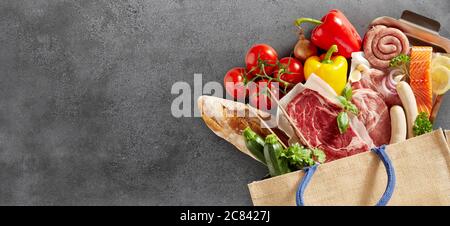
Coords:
255,144
272,152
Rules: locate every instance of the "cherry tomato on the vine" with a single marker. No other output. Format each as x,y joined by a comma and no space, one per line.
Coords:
289,70
259,97
261,58
235,82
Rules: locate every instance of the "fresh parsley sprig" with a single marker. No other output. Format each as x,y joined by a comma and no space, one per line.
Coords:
401,61
300,157
422,124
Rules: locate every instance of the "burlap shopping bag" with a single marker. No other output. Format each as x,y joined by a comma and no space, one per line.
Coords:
422,172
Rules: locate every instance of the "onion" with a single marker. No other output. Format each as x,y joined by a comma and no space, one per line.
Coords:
394,77
304,48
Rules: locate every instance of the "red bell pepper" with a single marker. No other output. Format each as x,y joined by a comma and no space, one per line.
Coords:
334,29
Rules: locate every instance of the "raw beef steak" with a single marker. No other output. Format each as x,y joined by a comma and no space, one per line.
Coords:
315,117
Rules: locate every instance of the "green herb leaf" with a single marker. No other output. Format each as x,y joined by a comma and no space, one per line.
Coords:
319,155
352,108
348,106
300,157
343,122
399,60
347,92
422,124
343,100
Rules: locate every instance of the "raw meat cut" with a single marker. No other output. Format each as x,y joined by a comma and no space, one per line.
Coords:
376,80
373,95
314,114
374,114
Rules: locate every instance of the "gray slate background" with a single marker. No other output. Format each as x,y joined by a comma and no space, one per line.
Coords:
85,95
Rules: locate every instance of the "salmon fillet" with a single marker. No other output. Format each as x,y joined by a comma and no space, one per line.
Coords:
420,78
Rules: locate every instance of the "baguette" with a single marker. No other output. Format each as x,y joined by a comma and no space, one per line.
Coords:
228,119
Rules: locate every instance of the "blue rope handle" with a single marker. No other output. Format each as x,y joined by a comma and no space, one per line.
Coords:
381,153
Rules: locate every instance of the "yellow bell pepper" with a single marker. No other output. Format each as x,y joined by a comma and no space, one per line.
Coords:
333,70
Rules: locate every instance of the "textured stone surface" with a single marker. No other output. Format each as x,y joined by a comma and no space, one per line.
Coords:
85,95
